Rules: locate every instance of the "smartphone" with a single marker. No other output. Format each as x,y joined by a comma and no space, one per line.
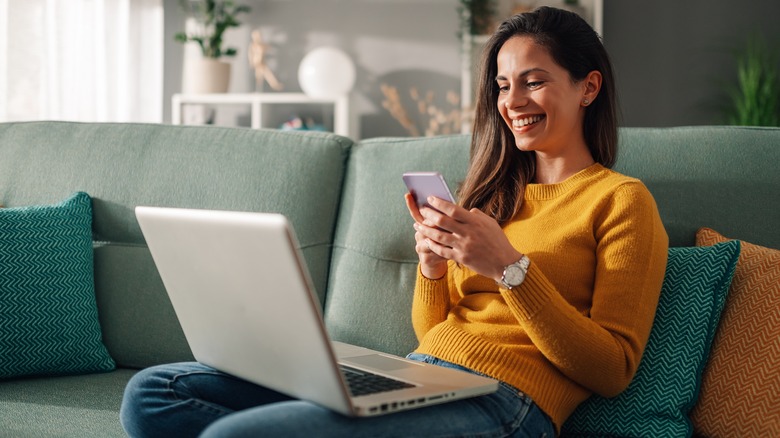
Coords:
424,184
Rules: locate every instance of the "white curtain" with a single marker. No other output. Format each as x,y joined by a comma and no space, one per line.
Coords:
81,60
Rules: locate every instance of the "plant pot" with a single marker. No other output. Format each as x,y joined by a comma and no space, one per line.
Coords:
205,75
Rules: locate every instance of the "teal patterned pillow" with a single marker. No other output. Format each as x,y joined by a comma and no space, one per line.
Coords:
666,385
48,315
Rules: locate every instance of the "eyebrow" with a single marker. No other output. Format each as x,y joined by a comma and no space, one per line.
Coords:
524,73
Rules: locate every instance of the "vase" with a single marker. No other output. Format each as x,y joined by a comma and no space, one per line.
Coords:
205,75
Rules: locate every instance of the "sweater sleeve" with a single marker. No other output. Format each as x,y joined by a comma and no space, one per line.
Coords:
601,350
431,302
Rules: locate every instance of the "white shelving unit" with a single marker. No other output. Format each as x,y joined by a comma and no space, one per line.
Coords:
258,102
591,10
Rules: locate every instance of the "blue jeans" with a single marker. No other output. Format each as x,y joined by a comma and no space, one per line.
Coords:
191,399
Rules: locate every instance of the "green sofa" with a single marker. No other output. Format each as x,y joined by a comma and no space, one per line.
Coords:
345,202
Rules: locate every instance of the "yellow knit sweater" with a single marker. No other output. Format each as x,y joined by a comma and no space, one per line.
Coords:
579,322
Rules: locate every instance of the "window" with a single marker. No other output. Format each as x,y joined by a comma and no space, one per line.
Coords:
81,60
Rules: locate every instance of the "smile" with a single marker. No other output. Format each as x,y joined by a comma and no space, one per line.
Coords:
526,121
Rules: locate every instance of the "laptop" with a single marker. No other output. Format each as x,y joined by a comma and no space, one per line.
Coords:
245,302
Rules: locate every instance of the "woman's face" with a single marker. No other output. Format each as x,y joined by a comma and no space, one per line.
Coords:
538,100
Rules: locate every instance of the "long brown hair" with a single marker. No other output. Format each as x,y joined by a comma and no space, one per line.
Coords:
498,171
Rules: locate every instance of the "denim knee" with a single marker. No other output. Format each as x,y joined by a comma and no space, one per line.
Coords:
146,395
136,395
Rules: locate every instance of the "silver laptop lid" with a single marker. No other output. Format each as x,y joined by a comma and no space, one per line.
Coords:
205,256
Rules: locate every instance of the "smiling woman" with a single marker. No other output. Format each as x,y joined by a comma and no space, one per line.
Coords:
547,274
527,61
544,107
81,60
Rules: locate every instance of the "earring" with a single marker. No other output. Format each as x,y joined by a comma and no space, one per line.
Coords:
586,102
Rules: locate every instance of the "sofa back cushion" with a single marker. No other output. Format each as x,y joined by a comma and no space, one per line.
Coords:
124,165
722,177
374,263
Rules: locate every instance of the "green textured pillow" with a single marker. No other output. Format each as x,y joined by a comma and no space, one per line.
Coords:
666,385
48,315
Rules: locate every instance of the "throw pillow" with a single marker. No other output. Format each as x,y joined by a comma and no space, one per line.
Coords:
48,315
666,384
739,392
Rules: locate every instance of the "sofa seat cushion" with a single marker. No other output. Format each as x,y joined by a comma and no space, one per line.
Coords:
69,406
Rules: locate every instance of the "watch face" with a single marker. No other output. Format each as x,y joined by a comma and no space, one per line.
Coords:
514,275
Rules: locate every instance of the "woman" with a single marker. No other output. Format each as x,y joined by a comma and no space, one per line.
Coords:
545,277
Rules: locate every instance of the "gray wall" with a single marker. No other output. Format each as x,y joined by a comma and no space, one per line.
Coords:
671,56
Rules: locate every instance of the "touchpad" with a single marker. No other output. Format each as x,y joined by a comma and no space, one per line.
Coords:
379,362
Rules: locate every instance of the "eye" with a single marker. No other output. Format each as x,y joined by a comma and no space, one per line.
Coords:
503,89
534,84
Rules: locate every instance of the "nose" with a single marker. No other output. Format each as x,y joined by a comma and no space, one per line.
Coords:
515,99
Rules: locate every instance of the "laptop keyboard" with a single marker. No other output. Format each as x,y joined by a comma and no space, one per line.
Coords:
363,383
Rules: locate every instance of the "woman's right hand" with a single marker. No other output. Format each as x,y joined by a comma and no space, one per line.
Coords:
432,265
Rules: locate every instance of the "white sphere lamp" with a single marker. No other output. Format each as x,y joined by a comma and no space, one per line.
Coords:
326,73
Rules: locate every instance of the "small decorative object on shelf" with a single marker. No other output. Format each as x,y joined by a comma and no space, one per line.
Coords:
263,73
298,124
326,72
209,19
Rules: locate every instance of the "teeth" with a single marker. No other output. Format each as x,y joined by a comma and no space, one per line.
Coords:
526,121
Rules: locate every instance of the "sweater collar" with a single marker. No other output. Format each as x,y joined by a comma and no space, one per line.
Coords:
550,191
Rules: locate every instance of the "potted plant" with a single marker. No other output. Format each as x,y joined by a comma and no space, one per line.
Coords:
476,16
209,21
755,100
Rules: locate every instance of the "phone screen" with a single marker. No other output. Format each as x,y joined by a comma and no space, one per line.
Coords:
424,184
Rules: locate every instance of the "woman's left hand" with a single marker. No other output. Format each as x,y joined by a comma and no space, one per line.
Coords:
469,237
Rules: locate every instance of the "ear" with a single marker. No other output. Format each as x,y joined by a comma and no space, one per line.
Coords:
591,86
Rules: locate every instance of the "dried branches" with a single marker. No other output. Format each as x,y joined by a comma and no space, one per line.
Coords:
439,121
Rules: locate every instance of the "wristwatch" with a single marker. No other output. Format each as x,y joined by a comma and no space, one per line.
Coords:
514,274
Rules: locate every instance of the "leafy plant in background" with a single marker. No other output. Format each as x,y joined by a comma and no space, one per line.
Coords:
214,17
755,101
476,16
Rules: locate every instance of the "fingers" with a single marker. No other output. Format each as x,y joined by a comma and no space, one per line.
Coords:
411,205
448,216
432,265
434,234
448,208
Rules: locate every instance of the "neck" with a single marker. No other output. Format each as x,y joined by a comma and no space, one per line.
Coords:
554,169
